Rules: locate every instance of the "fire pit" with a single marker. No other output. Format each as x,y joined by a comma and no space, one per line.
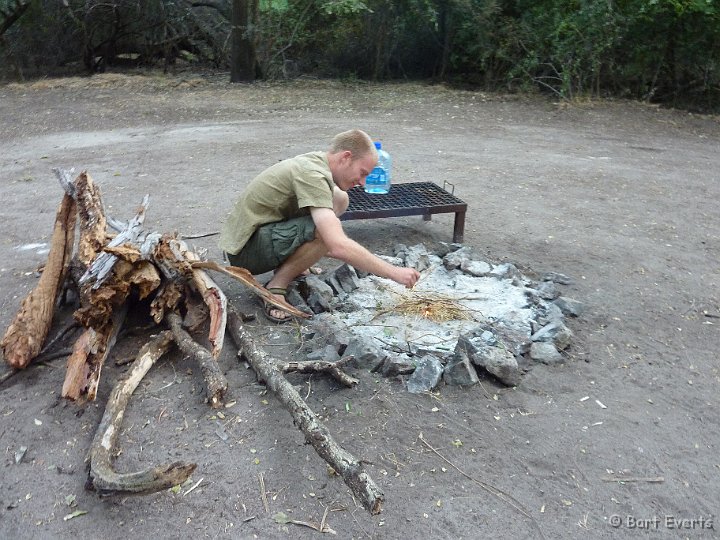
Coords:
463,318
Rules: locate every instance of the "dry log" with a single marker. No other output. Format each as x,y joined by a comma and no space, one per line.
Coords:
245,277
211,294
25,335
102,476
215,381
134,235
102,313
331,368
316,434
89,353
93,225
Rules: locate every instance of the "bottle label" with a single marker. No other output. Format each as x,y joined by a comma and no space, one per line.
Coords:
377,181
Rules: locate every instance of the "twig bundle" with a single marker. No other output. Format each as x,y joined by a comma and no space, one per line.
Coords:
433,306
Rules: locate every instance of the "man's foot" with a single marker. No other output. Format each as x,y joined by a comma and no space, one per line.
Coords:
314,270
274,313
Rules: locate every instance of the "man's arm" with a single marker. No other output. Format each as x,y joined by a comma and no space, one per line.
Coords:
341,247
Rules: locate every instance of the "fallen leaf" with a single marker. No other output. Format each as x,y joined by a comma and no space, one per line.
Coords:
75,514
70,500
281,518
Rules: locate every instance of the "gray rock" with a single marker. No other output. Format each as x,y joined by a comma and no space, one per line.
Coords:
547,290
333,331
397,365
327,354
505,271
488,337
367,355
454,260
476,268
295,298
555,332
426,376
562,279
417,257
501,363
570,306
318,294
545,352
460,371
346,278
497,361
400,250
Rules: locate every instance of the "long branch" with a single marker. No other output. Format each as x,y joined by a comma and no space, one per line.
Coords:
316,434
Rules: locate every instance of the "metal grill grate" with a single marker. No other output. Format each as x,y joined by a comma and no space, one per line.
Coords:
409,199
412,195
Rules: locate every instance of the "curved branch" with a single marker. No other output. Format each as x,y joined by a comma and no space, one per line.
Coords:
102,476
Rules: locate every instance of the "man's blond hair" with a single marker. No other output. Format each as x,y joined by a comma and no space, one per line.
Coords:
356,141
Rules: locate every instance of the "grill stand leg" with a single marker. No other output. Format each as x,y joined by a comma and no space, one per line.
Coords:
459,227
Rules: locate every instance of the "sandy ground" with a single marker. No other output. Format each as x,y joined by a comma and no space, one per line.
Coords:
622,197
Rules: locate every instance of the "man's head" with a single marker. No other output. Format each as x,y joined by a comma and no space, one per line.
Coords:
352,156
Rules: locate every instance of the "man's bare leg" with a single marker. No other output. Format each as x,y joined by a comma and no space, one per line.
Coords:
300,262
303,258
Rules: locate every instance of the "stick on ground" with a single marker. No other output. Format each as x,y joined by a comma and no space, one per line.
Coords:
316,434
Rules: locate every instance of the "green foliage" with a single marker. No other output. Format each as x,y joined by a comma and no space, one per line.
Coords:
659,50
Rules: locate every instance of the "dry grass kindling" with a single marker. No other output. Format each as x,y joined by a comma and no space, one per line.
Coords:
433,306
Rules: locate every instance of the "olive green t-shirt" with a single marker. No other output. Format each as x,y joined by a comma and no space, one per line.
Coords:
285,190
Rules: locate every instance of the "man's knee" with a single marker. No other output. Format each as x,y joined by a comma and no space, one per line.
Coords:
341,201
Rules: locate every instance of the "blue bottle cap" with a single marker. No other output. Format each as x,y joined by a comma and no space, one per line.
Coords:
378,145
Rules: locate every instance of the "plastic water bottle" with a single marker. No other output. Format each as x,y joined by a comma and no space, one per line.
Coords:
378,181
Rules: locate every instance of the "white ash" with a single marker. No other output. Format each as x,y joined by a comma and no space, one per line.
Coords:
488,300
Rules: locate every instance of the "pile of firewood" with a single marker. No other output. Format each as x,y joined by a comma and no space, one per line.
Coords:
113,263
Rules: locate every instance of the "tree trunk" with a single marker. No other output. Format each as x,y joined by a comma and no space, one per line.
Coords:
242,54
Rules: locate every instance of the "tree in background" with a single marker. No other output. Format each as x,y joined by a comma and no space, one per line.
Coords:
243,60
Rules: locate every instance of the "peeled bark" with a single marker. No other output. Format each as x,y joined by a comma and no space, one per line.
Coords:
245,277
25,335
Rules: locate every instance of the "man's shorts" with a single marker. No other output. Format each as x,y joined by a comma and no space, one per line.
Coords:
273,243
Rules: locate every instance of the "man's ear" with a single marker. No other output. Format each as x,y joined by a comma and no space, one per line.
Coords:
347,156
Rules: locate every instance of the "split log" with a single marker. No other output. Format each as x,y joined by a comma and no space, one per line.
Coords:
331,368
133,234
316,434
212,295
215,381
91,349
103,312
102,476
25,335
92,222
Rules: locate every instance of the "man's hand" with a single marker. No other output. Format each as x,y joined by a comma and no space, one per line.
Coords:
405,276
339,246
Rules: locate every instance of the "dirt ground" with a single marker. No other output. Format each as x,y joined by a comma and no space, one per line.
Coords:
622,197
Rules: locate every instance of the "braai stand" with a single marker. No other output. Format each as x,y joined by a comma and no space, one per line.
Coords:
410,199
